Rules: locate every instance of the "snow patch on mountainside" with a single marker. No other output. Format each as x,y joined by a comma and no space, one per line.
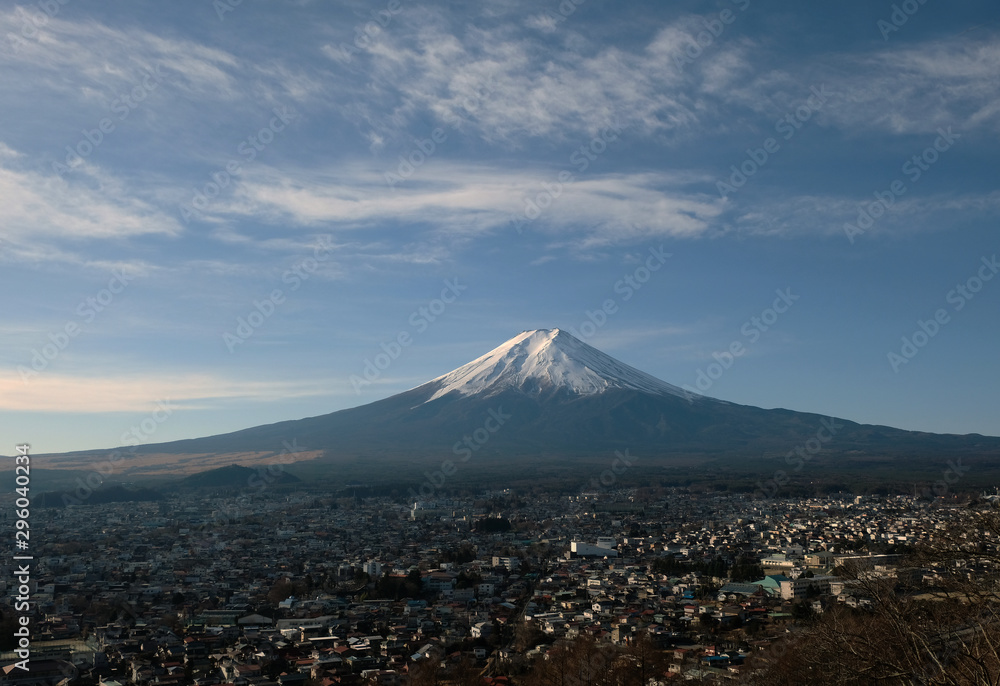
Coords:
544,359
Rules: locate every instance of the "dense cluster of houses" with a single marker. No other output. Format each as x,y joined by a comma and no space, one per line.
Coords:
308,589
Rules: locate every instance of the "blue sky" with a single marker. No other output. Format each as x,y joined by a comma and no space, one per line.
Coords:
342,175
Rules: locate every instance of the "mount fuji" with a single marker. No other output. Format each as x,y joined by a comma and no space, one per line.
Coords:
542,397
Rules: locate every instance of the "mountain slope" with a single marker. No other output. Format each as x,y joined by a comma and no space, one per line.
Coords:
543,394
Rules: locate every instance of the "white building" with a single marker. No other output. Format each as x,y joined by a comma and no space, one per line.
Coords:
605,547
793,589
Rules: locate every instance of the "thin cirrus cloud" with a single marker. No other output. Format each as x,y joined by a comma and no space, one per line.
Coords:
41,208
827,215
509,86
897,90
93,60
939,83
464,200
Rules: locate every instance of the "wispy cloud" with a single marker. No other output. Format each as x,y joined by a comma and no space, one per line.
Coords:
826,215
52,392
464,200
508,85
904,89
41,209
92,60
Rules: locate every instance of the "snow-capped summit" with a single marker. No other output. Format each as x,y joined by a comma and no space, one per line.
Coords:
547,359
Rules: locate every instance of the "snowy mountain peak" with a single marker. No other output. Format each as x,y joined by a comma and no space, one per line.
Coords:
547,359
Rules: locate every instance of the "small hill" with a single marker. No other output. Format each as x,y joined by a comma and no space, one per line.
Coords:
237,477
